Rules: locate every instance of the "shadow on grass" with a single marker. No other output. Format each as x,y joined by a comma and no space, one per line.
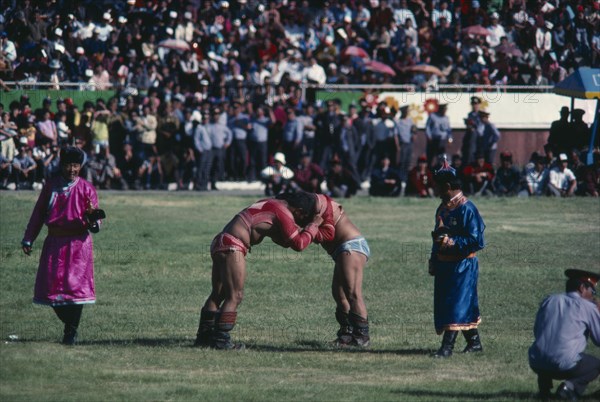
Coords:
157,342
444,395
316,346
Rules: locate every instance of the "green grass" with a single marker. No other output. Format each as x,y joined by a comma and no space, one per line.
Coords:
153,274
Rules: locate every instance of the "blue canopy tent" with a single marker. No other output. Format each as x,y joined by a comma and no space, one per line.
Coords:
583,84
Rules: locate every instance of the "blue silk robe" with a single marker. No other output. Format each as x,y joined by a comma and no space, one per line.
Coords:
456,306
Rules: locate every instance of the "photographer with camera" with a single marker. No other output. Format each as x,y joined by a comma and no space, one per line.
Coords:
68,205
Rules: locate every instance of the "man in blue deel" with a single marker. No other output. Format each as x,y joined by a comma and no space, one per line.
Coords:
458,235
562,326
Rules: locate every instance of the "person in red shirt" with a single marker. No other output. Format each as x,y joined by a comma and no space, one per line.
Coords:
308,175
480,176
274,218
420,179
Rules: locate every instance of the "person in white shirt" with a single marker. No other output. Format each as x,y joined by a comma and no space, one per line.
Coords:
562,180
402,13
543,38
536,178
277,177
443,12
8,48
496,31
314,73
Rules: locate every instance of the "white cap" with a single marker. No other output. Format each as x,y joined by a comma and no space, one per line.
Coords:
196,116
58,32
89,72
239,77
123,71
59,48
122,19
332,66
549,25
79,50
131,2
237,22
494,16
106,16
261,8
23,140
563,157
173,14
328,39
347,18
187,15
225,4
169,31
279,157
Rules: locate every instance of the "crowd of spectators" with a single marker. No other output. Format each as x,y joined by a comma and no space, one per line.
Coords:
153,145
261,50
210,91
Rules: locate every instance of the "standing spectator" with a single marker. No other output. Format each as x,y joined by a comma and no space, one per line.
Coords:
292,137
308,175
488,138
560,132
202,151
220,138
420,180
328,126
68,206
8,134
562,182
472,122
277,178
579,132
364,127
406,132
508,178
496,31
306,119
562,327
261,122
47,129
239,124
145,125
536,178
385,181
385,132
349,148
438,132
457,236
5,172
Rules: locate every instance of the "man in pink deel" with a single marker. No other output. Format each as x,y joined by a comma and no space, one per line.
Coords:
68,205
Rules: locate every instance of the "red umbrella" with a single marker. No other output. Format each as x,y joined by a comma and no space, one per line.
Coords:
175,44
424,68
509,50
378,67
476,30
356,52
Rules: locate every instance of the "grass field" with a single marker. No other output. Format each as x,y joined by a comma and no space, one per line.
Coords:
153,274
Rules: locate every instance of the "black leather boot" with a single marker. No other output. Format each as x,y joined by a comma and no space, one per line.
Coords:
360,330
205,328
473,341
220,338
447,344
344,334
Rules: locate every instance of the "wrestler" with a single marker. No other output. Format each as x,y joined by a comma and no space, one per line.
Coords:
350,252
274,218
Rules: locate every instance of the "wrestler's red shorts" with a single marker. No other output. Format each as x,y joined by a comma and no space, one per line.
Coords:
227,243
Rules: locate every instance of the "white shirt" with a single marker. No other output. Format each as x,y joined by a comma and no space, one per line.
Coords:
9,50
402,14
561,180
496,32
437,14
315,73
543,40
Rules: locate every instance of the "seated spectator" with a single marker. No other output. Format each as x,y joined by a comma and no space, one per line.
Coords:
562,181
536,177
277,177
385,180
340,181
420,180
457,164
150,172
508,178
590,184
5,172
128,168
308,175
101,168
24,168
480,176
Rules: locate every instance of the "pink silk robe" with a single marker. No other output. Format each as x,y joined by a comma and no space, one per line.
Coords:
66,268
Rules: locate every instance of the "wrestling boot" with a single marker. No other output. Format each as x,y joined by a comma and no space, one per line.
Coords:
566,393
473,341
221,339
69,335
447,345
205,328
344,334
360,330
